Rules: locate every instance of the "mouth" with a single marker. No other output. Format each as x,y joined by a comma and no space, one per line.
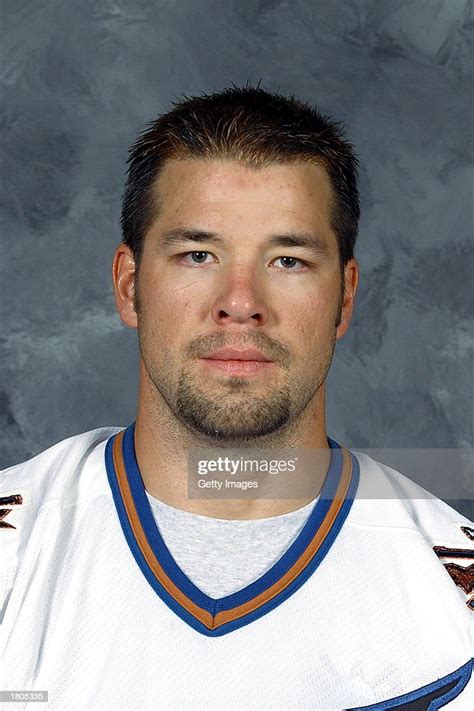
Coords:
231,361
238,367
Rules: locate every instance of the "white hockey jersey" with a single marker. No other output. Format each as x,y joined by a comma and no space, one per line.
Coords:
369,608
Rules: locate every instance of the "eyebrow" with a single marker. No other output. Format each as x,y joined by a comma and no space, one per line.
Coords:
307,240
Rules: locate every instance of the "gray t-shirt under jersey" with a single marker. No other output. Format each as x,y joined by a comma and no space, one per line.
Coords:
221,556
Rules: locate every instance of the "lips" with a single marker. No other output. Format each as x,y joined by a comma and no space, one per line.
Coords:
250,354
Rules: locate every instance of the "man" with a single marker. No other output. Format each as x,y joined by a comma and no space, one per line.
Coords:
121,590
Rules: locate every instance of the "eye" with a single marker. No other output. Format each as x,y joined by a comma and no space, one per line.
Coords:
197,257
289,263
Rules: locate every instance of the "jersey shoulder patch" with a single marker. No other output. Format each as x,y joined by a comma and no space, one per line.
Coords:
459,561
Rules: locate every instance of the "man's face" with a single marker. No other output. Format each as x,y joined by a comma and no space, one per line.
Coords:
235,279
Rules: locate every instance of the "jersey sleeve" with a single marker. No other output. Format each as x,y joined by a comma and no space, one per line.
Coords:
15,505
449,534
50,476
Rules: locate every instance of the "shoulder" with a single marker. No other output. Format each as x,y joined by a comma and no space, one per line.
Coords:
415,506
388,499
57,479
55,472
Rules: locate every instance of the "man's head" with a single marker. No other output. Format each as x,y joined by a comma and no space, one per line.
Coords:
254,127
239,222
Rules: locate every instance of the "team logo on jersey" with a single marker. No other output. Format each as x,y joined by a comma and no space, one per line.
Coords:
469,532
12,500
462,575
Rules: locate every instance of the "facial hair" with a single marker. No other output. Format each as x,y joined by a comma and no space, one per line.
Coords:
230,414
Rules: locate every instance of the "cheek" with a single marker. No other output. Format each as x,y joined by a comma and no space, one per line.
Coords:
310,319
166,312
310,308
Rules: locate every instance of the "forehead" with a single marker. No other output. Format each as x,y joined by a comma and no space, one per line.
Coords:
299,188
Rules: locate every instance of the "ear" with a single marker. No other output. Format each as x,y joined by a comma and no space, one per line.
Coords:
123,275
351,280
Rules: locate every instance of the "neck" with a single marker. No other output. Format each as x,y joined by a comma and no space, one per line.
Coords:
162,444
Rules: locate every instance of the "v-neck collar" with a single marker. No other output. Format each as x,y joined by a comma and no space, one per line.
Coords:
207,615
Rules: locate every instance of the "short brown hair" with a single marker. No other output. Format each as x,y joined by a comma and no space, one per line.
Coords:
246,124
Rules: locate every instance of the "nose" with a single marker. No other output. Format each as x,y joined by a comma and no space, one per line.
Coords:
239,301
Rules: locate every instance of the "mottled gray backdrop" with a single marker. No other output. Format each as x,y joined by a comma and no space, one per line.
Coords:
80,79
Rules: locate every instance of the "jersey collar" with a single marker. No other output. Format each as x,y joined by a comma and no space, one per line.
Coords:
215,617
